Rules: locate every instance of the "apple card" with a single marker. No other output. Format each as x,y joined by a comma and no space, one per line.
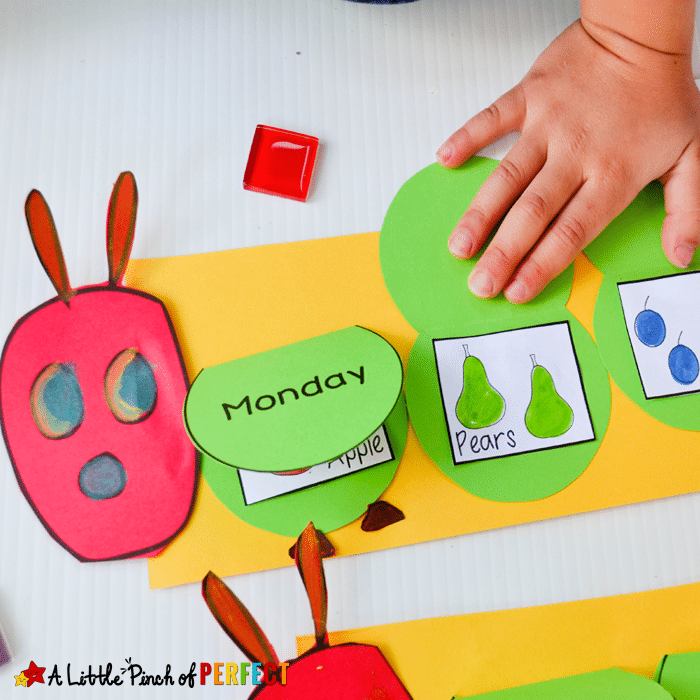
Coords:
512,392
260,486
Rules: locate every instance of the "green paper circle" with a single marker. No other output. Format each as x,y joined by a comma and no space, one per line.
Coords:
514,478
630,245
629,249
682,411
329,505
296,405
426,282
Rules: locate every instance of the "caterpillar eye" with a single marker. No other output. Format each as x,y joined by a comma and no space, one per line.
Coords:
57,401
130,387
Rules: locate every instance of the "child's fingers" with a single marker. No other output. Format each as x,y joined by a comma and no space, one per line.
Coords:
581,220
502,117
680,234
522,227
500,189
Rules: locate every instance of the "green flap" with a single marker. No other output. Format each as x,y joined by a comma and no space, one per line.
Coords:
679,674
295,406
611,684
426,282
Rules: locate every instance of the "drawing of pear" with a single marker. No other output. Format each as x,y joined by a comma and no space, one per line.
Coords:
479,404
547,415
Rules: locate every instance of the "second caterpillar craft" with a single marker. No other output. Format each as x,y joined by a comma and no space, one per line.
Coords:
349,671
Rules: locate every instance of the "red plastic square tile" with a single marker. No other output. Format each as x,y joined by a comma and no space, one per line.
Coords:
280,162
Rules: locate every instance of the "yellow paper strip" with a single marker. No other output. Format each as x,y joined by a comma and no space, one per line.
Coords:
465,655
235,303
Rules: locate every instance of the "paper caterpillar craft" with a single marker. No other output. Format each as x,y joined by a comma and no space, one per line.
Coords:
92,385
348,671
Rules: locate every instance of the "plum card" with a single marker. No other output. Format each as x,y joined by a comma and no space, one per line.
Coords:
662,325
512,392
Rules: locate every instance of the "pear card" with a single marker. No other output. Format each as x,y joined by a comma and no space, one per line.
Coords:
662,326
530,364
512,392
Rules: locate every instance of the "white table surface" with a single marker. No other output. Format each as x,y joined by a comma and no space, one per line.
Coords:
172,90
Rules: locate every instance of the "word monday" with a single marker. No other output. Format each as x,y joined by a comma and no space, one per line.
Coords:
311,388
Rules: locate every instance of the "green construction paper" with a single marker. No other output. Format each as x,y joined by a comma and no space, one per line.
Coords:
679,674
427,283
513,478
681,411
295,406
630,246
611,684
629,249
429,286
329,505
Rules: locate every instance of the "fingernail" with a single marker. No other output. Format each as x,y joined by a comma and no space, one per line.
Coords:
684,253
515,292
444,153
481,284
460,244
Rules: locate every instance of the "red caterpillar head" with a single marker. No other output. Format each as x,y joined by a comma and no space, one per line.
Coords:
92,385
348,671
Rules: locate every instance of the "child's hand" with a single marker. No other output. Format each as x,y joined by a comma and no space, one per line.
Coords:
599,117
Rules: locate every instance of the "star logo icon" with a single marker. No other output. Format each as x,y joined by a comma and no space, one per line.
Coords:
33,674
21,679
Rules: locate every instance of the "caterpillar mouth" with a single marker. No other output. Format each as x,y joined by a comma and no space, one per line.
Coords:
102,477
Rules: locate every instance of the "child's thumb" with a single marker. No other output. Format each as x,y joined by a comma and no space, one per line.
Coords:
680,234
